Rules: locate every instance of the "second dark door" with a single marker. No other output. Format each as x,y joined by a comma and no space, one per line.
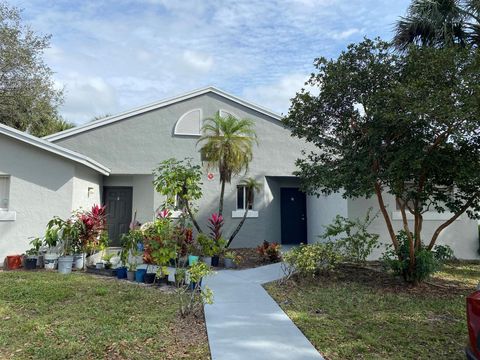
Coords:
118,201
293,216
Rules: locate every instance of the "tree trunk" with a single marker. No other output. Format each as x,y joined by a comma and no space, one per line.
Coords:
411,244
449,221
383,209
222,193
238,228
195,223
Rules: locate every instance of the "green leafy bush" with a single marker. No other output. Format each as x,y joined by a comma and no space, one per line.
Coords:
352,237
426,262
310,260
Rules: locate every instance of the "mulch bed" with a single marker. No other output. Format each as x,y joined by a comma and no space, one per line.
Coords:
250,258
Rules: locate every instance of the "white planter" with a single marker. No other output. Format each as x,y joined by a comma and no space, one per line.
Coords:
99,265
65,264
78,261
50,261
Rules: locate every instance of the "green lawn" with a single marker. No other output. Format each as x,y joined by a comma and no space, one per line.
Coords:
361,314
51,316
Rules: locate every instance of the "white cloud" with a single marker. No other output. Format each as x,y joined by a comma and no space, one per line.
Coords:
198,61
277,95
115,55
340,35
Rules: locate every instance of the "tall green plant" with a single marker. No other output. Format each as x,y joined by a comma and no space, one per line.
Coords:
352,236
227,145
180,178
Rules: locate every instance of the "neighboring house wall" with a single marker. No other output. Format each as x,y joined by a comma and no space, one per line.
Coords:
135,146
42,185
462,235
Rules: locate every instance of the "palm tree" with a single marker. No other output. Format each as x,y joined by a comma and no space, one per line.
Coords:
227,144
433,23
252,186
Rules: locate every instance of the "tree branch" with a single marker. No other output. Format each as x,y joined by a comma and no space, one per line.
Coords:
451,220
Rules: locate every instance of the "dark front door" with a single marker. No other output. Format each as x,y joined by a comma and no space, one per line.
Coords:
119,211
293,216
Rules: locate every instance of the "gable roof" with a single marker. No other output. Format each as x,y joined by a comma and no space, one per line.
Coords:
157,105
52,148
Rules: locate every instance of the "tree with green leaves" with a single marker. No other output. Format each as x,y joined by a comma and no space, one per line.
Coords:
403,124
252,186
439,23
227,145
28,98
180,179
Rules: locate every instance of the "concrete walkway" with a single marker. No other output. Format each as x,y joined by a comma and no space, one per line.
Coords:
245,323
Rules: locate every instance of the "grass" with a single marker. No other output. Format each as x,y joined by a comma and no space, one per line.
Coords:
46,315
362,314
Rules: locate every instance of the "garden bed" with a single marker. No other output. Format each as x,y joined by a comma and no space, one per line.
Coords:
362,313
46,315
250,258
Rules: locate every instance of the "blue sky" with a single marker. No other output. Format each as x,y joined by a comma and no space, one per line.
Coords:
110,56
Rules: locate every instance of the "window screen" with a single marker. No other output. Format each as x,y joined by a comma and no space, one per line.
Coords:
4,191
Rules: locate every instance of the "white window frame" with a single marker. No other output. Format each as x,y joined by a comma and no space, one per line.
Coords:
5,213
240,212
176,132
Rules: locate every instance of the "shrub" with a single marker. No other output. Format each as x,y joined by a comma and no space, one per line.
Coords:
352,237
310,260
269,251
426,262
191,297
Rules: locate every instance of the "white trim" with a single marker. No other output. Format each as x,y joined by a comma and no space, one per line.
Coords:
55,149
157,105
8,215
240,213
228,112
428,216
175,132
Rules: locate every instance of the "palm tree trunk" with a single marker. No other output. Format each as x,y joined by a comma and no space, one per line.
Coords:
222,193
238,228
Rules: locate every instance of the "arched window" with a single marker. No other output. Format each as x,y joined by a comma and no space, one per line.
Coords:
189,124
225,113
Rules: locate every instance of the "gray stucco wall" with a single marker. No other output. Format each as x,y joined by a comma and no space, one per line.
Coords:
134,146
41,186
462,235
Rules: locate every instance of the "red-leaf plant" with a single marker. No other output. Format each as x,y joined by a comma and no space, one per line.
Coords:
215,224
93,222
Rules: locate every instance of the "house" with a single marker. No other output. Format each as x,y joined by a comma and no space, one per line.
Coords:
39,180
130,145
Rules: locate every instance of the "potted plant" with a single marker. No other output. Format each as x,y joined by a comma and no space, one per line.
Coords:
229,259
107,258
161,277
51,240
32,255
215,224
69,231
207,245
132,267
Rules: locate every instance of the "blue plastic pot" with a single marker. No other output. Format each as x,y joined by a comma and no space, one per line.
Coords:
121,273
192,259
140,275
